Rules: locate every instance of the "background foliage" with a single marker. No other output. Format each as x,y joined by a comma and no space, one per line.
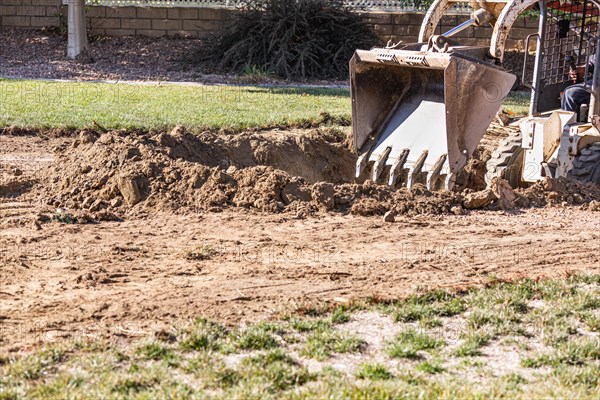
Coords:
293,39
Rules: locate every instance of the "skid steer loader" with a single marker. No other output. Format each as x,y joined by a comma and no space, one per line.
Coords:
419,110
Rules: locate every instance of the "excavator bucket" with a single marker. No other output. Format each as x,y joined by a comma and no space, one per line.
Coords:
418,115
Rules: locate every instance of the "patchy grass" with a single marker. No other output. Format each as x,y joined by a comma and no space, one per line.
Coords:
430,367
273,371
517,103
323,343
256,337
511,344
157,351
472,345
212,372
426,307
203,335
373,372
410,342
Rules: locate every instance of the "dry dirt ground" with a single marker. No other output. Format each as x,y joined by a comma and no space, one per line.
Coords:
39,54
42,54
134,269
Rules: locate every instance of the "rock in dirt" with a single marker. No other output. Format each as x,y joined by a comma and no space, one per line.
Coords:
594,205
389,217
130,189
457,210
86,137
504,193
295,190
116,203
479,199
323,193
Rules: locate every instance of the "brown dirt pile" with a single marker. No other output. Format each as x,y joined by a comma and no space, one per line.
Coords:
121,172
275,171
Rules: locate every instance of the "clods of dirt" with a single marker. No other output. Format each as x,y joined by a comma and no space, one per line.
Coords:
273,172
120,173
559,192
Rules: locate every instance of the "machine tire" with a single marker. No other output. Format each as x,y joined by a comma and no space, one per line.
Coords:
507,161
586,165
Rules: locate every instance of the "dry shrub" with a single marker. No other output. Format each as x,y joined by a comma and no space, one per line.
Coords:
293,39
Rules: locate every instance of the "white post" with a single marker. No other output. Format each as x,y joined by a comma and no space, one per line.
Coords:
77,43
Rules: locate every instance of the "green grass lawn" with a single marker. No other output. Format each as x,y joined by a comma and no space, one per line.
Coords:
533,339
42,104
45,104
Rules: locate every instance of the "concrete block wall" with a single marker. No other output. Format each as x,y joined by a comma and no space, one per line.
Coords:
155,21
29,13
201,22
405,27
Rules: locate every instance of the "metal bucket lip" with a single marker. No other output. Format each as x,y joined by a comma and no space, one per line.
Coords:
436,60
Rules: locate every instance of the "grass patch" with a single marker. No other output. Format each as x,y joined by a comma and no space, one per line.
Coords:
578,353
408,343
212,372
322,343
43,104
309,324
207,360
430,367
373,372
472,345
203,335
157,351
428,306
255,337
592,320
274,371
34,366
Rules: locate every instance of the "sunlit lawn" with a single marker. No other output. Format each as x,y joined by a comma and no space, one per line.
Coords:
30,103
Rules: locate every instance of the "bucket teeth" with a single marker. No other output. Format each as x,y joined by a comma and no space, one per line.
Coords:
361,163
415,171
380,163
434,175
438,178
449,181
397,166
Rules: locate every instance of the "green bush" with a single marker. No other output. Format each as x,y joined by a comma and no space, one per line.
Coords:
293,39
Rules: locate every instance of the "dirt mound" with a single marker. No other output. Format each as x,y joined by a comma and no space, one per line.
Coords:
273,171
121,172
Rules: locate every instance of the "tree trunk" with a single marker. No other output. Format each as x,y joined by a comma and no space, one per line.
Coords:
77,43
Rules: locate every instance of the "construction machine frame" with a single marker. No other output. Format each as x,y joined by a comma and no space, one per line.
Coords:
419,110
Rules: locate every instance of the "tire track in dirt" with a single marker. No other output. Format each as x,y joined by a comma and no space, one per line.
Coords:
153,285
64,279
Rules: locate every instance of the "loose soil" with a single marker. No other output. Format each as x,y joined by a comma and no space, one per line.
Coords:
122,233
